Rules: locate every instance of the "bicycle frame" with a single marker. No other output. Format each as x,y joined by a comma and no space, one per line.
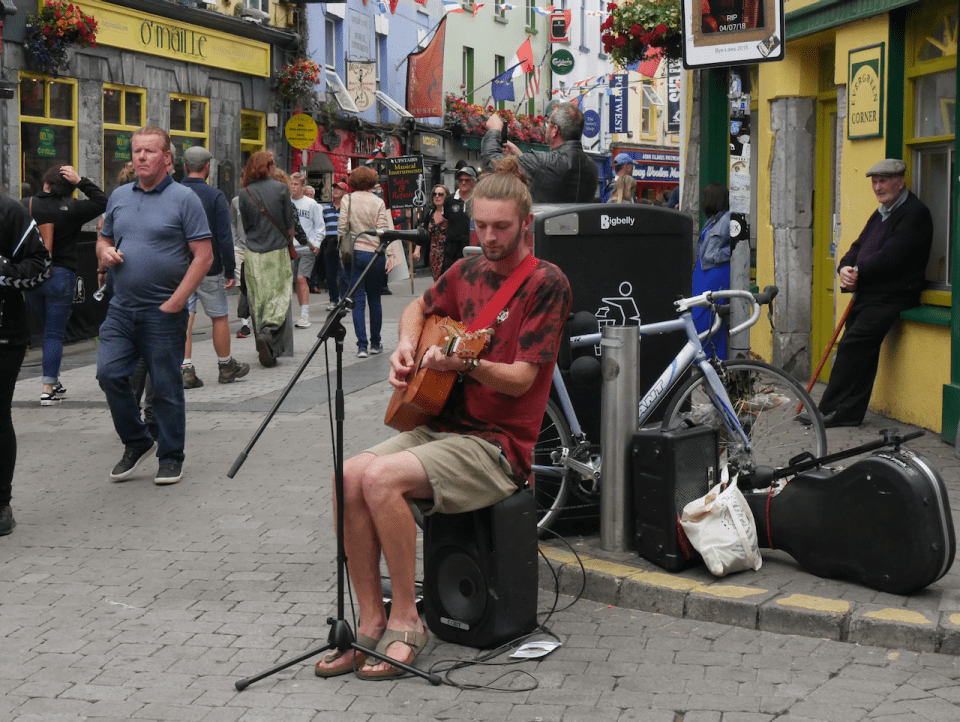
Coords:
691,354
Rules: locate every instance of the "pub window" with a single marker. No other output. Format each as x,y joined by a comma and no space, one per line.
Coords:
124,110
468,73
48,128
530,16
253,134
499,68
931,106
188,127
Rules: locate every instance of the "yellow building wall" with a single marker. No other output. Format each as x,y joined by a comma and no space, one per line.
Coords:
914,363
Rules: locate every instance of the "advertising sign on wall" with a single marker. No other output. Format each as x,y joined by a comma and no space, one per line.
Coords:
618,103
405,182
865,92
731,32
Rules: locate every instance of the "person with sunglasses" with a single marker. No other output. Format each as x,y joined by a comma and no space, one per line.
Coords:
437,227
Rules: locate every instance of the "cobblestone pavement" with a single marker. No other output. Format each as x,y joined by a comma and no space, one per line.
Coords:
133,601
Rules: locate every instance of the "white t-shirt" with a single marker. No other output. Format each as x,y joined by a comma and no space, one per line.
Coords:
310,215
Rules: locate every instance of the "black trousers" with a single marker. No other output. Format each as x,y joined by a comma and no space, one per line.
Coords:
858,354
11,358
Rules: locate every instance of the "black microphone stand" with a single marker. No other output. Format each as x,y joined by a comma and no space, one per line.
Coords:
341,636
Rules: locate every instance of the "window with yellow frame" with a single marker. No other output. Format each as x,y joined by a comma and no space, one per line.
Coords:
931,102
124,110
48,128
253,134
189,126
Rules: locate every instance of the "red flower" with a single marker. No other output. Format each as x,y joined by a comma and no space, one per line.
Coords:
620,41
636,30
611,7
646,38
661,29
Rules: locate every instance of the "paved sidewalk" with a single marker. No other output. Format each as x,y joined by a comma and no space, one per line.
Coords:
128,601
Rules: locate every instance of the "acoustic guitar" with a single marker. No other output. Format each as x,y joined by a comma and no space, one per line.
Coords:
427,391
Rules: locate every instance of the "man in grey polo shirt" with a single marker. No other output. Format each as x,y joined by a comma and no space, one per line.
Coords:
156,239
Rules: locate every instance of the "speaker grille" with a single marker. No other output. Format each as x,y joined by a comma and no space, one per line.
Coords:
696,462
461,586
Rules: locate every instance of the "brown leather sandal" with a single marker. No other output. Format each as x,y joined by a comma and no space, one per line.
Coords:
359,659
413,639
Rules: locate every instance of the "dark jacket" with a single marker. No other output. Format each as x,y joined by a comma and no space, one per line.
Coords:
458,230
218,218
898,262
67,216
563,175
24,264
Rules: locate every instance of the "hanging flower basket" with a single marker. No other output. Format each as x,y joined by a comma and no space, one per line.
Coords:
633,27
297,80
52,31
464,118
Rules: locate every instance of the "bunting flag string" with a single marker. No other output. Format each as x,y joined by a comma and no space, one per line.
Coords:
452,6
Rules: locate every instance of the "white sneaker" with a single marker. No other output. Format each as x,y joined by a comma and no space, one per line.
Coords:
303,322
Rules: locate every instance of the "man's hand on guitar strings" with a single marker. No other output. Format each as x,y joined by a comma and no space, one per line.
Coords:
401,364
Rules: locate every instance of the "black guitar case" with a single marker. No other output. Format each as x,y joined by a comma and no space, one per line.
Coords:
883,521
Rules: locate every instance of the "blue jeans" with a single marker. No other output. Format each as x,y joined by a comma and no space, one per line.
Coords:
51,305
331,265
126,336
369,292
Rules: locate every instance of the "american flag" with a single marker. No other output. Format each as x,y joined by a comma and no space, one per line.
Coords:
533,83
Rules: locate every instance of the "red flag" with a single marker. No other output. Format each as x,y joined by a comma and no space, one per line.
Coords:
425,77
393,6
649,67
524,56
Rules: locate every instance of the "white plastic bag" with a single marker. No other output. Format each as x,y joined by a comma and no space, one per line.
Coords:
720,526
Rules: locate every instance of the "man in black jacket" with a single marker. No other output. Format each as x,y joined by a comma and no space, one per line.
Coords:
458,219
886,270
24,264
564,174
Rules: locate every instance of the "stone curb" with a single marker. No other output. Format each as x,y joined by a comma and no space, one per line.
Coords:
749,607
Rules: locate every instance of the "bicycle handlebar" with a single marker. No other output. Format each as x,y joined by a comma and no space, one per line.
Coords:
707,299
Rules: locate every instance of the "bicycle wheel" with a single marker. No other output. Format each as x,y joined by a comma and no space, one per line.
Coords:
765,400
550,479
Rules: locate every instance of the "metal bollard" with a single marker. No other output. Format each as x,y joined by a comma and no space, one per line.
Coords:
619,354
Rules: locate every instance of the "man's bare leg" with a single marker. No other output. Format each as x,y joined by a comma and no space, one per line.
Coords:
221,336
387,483
364,545
303,291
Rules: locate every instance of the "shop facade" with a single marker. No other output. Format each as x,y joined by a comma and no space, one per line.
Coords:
205,77
861,81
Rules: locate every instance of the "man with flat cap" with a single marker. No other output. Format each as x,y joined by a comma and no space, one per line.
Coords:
885,269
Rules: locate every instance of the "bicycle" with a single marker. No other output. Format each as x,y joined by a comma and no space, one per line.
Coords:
753,403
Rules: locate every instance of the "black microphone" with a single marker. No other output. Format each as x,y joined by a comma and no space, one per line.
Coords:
417,235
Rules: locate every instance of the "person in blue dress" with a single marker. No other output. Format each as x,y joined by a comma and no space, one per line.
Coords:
712,272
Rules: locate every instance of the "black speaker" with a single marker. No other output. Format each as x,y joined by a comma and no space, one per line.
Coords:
480,573
670,469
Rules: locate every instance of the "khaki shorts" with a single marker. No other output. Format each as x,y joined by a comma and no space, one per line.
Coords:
465,472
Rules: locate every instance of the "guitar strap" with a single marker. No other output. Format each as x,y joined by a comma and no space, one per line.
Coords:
502,297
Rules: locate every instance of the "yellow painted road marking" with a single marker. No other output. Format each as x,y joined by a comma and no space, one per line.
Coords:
898,615
730,591
819,604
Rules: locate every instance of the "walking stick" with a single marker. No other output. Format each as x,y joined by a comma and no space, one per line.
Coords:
816,374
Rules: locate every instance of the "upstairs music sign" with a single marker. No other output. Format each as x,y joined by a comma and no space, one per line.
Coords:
405,182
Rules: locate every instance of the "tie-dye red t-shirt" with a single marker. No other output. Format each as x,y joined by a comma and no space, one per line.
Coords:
527,330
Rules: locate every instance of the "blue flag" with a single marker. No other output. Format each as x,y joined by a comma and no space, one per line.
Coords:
503,86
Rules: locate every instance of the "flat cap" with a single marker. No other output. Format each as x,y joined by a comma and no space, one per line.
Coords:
623,159
888,166
468,171
197,155
343,186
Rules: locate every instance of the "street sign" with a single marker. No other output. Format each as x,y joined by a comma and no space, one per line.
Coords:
301,131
